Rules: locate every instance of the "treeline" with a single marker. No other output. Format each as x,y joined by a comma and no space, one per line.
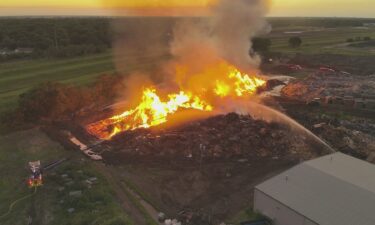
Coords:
262,45
68,37
53,101
319,22
53,37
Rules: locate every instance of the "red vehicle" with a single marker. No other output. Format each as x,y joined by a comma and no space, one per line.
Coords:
35,178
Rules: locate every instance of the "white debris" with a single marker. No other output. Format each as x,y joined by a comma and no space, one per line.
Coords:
172,222
93,179
319,125
161,217
93,155
77,142
75,193
61,189
243,160
71,210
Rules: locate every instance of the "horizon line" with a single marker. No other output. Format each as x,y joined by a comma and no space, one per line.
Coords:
150,16
136,12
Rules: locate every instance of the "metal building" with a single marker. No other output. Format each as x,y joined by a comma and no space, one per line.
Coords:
332,190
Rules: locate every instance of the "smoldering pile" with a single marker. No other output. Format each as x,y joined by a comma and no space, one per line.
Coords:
222,137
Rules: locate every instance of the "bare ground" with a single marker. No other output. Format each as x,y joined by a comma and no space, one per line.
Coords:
214,192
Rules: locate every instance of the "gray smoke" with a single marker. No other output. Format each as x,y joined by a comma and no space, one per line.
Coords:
226,34
235,23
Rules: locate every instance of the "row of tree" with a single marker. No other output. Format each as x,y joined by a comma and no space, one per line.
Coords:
53,36
263,44
367,38
56,101
319,22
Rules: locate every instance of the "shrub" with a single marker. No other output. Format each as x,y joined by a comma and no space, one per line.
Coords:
350,40
367,38
295,42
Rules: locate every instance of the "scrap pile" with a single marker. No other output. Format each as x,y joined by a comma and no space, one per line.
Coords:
338,88
220,137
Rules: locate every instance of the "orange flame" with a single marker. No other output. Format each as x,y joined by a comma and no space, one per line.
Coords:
240,84
152,111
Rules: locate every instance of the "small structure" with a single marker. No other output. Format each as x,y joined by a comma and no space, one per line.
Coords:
332,190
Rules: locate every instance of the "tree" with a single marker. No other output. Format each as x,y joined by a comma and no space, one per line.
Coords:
51,101
367,38
295,42
106,87
51,37
261,44
8,43
350,40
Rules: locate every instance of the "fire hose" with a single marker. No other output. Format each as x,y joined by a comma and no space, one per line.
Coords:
17,201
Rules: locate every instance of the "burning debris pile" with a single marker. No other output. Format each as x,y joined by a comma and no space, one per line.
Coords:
210,71
210,66
220,137
152,110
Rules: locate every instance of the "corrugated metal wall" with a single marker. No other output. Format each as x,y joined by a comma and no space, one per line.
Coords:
279,213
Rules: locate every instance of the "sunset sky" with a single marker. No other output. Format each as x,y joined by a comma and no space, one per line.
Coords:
325,8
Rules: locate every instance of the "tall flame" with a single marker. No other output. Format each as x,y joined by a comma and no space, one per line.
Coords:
152,110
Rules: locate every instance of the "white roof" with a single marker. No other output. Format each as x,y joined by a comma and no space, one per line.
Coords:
332,190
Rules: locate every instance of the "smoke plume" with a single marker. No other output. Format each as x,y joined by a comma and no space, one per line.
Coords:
235,23
226,34
200,50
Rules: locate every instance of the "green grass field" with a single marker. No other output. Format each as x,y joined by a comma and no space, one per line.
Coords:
321,41
50,204
245,215
17,77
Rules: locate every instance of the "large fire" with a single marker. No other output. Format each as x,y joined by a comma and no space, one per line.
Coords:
153,110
